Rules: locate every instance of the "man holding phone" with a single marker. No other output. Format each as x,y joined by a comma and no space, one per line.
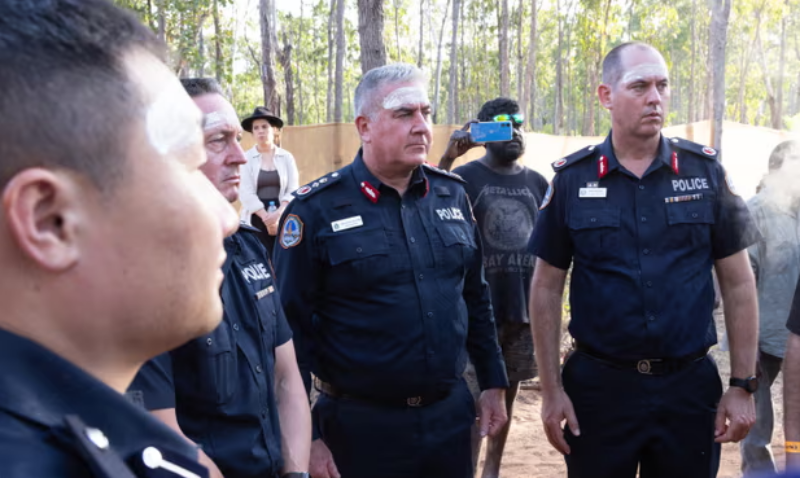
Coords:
506,197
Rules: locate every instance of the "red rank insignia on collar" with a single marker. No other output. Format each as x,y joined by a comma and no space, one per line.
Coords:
674,162
602,167
370,192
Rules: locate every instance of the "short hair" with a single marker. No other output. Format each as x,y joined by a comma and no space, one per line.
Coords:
376,78
612,63
497,106
786,149
67,98
201,86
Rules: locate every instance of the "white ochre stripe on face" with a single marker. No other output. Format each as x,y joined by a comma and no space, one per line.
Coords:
646,70
172,121
215,119
408,95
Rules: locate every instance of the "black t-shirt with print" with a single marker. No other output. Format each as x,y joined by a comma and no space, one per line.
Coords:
506,207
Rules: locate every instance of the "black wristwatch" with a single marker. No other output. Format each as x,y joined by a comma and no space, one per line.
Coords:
296,474
750,383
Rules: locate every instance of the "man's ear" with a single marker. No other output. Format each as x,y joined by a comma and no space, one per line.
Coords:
604,95
42,210
363,127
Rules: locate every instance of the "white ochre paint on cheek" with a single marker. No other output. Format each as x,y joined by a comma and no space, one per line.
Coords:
408,95
172,122
646,70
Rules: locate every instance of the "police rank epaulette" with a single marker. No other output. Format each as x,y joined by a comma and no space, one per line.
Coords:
317,185
442,172
692,147
573,158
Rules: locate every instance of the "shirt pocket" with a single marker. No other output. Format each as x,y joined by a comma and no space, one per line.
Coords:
456,250
357,258
208,369
689,224
595,231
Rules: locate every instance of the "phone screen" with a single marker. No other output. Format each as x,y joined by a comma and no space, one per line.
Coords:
491,131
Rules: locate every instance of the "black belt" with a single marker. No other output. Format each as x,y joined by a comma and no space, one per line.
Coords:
418,401
653,366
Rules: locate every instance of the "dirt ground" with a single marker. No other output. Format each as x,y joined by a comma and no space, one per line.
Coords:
529,455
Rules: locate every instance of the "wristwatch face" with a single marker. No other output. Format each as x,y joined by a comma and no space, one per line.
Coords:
752,384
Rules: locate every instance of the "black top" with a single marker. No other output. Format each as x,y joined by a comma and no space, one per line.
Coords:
58,421
385,293
793,323
506,207
269,186
221,384
642,249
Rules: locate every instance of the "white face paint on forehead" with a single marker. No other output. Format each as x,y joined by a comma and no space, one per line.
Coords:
407,95
216,119
172,121
645,70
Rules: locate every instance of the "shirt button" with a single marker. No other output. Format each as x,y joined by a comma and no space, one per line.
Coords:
258,368
594,219
235,326
644,219
209,341
649,284
694,215
646,251
430,314
421,277
651,318
412,240
641,186
359,250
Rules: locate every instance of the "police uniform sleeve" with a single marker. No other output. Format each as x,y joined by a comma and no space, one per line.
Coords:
153,386
734,228
550,240
296,277
482,344
793,323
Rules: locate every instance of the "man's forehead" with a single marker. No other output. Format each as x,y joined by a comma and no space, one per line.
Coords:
406,96
218,113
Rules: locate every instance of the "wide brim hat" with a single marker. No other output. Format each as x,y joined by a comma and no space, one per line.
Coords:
261,113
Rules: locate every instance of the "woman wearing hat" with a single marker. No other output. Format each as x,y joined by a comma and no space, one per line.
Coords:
269,177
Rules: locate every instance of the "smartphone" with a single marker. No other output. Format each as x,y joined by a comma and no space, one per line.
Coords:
491,131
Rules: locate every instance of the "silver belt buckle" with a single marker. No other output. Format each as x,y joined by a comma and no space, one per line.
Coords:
644,367
414,401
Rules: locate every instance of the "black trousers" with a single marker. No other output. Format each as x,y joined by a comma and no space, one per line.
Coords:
370,440
661,425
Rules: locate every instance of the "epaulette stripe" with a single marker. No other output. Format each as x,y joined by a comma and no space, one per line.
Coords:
316,185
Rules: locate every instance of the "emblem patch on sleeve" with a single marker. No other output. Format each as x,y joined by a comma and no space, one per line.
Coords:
548,196
292,231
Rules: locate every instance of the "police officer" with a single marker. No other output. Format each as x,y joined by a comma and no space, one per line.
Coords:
93,179
380,270
237,391
642,219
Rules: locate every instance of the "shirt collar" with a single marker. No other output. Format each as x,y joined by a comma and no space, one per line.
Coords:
418,183
663,157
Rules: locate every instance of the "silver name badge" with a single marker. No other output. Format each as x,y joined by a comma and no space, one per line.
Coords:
592,192
348,223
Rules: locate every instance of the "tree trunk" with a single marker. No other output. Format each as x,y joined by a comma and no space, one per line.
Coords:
437,88
530,71
268,81
452,97
331,29
462,76
300,98
558,120
719,35
520,55
505,88
771,100
340,46
162,20
288,78
421,33
397,27
692,113
370,32
781,70
219,63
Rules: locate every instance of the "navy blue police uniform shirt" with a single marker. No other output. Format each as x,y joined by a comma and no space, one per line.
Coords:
386,294
506,207
222,384
642,250
57,420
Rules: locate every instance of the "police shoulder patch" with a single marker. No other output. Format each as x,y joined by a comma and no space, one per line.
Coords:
573,158
317,185
692,147
442,172
292,231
